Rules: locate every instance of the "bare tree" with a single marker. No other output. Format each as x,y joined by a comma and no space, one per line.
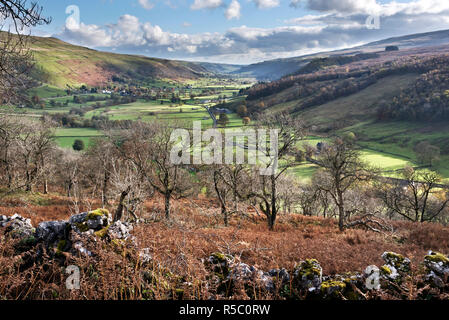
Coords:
341,170
16,60
35,145
229,185
10,128
100,157
129,186
265,188
148,147
415,196
68,169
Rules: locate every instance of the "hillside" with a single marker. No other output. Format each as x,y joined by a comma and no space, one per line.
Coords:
176,260
391,101
275,69
59,63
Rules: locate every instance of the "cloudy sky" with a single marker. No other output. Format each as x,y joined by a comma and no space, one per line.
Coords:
236,31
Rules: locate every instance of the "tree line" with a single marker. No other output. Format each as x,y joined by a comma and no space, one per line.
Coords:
131,164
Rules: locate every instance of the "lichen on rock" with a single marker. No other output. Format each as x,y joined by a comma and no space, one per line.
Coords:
332,289
437,266
308,275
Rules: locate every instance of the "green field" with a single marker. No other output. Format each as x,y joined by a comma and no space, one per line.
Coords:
66,137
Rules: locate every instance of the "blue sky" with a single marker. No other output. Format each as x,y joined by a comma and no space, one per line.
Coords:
236,31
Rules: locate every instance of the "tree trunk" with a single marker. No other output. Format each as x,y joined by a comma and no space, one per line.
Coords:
45,186
273,202
69,188
341,212
224,212
167,205
29,187
119,212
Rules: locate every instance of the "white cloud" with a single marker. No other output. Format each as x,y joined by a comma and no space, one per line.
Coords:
206,4
146,4
324,31
266,4
233,10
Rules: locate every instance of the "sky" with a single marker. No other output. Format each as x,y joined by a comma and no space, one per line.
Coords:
236,31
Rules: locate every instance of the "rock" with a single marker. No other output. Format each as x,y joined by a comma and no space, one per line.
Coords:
51,231
332,289
280,274
437,262
437,265
398,261
120,230
395,268
18,227
220,263
79,246
389,272
228,273
94,220
241,272
308,275
78,218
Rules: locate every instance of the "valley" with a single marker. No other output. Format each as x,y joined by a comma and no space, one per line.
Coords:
339,190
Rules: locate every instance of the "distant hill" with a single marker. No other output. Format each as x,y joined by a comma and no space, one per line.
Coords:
390,100
275,69
59,63
219,68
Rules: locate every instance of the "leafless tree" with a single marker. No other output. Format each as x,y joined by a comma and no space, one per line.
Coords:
415,197
427,154
229,183
68,169
265,187
16,60
130,188
35,144
148,146
26,147
100,158
341,170
10,129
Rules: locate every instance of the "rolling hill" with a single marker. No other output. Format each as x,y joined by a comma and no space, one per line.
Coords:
59,64
275,69
391,101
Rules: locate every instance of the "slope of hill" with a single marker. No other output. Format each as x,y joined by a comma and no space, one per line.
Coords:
391,102
275,69
59,63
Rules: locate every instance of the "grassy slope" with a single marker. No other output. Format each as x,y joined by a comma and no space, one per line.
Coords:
357,107
60,63
388,145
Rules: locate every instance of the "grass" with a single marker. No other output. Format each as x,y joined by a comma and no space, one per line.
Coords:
66,137
46,91
356,107
387,145
60,64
